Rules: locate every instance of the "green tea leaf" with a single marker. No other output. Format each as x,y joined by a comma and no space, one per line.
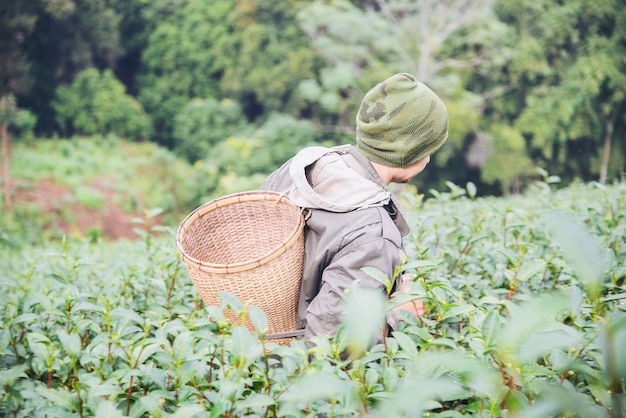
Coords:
364,318
377,274
419,264
445,342
9,376
528,270
87,307
231,301
187,411
26,318
538,315
317,386
128,314
70,342
258,318
107,409
471,189
174,327
245,345
256,400
142,354
63,398
581,249
406,344
491,327
421,333
390,378
455,311
542,343
414,396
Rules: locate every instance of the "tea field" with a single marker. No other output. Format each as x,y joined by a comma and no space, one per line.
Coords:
525,299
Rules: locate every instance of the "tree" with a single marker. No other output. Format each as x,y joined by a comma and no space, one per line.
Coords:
202,124
249,51
97,103
184,59
67,37
270,56
570,71
421,33
242,161
364,44
8,112
17,20
507,160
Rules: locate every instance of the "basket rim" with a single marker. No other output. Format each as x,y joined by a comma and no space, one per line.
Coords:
234,198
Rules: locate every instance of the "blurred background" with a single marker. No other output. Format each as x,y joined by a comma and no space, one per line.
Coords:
122,112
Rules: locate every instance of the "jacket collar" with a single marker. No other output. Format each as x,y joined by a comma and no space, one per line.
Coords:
400,220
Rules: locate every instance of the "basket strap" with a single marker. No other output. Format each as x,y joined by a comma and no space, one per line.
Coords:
283,194
288,334
306,212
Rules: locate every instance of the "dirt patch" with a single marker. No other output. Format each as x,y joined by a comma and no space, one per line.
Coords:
58,202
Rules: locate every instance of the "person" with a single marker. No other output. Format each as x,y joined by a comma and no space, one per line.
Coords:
354,219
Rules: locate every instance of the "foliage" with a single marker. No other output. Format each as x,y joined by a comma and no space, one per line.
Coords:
183,60
14,18
573,86
66,37
142,175
24,125
202,124
251,52
8,110
269,56
508,160
282,136
518,323
241,162
552,72
364,45
96,103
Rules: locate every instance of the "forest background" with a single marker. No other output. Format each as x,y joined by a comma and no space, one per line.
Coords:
235,87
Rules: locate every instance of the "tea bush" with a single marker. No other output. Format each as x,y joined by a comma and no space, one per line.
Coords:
525,318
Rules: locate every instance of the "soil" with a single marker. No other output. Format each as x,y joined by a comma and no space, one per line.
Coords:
111,222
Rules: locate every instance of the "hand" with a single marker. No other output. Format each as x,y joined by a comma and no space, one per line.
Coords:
416,307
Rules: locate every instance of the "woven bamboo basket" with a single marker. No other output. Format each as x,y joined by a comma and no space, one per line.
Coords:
250,244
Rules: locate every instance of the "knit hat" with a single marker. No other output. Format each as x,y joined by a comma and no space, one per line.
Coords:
400,122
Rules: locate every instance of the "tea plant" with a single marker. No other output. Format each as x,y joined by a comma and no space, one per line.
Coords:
524,317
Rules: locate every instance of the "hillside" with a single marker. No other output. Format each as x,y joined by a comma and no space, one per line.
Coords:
101,187
104,187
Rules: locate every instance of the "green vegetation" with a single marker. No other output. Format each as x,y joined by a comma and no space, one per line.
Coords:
163,105
98,104
97,173
527,84
524,298
151,175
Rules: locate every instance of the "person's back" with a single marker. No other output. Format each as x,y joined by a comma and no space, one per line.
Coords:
354,221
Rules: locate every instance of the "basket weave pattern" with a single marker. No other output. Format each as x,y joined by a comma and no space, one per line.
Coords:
250,244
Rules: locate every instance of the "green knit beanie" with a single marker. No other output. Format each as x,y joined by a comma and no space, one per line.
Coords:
401,121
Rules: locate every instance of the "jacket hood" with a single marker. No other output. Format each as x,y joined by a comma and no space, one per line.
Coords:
323,179
339,179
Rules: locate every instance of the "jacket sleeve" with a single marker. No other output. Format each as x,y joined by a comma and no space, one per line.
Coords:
324,313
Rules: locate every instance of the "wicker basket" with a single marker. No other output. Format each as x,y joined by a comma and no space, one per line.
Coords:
250,244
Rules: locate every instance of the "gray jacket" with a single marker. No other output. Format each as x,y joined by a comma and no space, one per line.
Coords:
355,221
